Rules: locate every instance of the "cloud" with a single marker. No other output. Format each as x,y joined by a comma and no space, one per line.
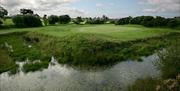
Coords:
42,6
104,5
153,6
99,5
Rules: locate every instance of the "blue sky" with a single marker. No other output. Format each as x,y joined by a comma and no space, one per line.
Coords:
94,8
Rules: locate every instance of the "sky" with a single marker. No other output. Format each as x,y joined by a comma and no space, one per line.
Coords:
95,8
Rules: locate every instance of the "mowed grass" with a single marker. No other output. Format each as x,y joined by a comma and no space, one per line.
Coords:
106,32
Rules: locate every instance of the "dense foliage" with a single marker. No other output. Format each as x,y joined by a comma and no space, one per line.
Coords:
3,12
150,21
64,19
53,19
26,21
78,20
26,11
96,20
123,21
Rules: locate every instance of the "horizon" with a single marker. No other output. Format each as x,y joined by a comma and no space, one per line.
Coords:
94,8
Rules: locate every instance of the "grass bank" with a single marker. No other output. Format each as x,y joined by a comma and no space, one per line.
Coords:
87,49
6,63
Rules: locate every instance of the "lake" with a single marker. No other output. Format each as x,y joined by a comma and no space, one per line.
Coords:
65,78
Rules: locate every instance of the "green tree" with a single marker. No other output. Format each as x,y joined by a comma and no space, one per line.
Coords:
78,20
53,19
26,11
3,12
64,19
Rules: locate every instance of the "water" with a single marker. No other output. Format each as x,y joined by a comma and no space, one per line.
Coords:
64,78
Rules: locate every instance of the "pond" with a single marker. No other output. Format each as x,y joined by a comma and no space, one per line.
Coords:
64,78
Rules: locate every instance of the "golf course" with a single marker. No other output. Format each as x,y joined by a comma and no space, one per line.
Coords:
42,49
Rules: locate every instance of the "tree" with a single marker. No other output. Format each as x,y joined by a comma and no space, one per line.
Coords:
26,11
26,21
148,21
78,20
160,21
64,19
123,21
105,18
172,23
53,19
3,12
137,20
45,20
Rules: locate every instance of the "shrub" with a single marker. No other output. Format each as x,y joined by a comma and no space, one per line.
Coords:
26,21
53,19
64,19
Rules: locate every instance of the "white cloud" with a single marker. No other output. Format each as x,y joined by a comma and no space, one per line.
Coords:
42,6
161,5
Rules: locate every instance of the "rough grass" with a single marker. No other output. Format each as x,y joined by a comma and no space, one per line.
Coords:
169,62
31,67
147,84
5,62
87,49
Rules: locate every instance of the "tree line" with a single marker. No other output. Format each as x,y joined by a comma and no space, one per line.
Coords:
150,21
27,18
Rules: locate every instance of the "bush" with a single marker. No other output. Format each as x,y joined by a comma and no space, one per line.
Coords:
64,19
53,19
26,21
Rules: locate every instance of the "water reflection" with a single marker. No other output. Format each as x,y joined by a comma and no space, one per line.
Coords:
64,78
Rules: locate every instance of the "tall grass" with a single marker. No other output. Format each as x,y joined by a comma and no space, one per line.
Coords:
169,65
169,62
31,67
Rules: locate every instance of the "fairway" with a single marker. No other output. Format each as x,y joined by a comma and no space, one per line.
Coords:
105,32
